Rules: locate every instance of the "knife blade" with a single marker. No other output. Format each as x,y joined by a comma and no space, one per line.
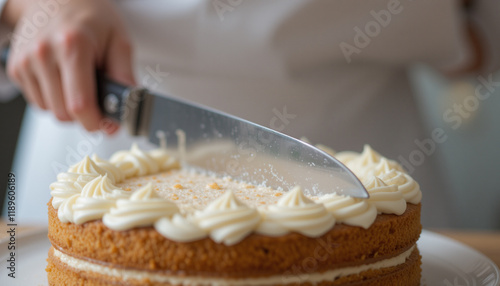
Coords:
223,144
227,145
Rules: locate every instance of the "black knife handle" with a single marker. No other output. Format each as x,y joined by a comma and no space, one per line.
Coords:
111,97
116,101
122,103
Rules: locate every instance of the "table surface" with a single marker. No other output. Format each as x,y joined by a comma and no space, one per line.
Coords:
486,242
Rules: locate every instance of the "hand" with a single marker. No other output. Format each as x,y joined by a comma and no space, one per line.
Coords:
55,66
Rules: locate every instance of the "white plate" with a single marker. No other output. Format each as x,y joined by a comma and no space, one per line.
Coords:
445,262
450,263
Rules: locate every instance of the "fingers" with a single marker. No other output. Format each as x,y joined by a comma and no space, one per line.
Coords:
118,66
20,72
118,60
31,90
77,68
50,83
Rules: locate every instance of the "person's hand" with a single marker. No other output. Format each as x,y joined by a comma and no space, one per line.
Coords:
55,66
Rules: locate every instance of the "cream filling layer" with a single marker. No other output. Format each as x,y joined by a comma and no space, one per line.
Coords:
313,278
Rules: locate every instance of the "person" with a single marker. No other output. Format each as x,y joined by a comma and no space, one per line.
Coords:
332,71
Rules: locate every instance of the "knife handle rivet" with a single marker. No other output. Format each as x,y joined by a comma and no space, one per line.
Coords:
111,102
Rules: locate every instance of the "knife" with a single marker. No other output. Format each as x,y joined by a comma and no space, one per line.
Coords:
223,144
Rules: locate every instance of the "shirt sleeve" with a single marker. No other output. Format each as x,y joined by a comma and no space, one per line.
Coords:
7,89
398,32
484,15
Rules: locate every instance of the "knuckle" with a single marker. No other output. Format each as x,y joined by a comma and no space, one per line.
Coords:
71,39
24,63
42,50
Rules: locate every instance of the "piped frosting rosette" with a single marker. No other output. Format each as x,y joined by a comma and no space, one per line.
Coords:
96,198
406,184
364,164
115,174
143,208
73,181
348,210
227,219
387,199
180,228
295,212
135,162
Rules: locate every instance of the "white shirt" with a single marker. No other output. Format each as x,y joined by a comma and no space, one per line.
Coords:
332,71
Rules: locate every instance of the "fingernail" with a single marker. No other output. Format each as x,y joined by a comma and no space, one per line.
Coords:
108,126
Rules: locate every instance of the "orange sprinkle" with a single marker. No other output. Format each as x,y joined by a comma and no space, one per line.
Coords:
214,186
195,197
178,186
249,187
247,198
263,203
154,178
157,189
139,185
127,189
175,198
158,181
278,194
258,195
190,190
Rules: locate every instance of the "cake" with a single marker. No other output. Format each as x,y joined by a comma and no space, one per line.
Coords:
142,219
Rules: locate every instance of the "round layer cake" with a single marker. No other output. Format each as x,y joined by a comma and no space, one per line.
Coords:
140,219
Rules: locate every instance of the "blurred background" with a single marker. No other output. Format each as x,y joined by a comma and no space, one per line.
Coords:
469,158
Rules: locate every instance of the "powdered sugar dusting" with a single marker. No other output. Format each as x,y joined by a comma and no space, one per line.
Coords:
194,191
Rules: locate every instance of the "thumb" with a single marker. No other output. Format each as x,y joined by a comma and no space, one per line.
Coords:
118,60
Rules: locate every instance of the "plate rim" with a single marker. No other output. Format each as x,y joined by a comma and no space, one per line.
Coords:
430,235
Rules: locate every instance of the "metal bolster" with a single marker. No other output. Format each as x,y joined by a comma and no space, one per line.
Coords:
136,105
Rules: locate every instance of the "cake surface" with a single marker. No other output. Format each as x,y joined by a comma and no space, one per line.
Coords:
140,219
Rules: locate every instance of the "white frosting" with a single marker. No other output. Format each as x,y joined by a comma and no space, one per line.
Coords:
227,219
158,277
351,211
143,208
73,181
135,162
86,166
298,213
65,210
269,227
180,228
367,163
115,174
96,198
387,199
164,161
406,184
87,192
62,190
